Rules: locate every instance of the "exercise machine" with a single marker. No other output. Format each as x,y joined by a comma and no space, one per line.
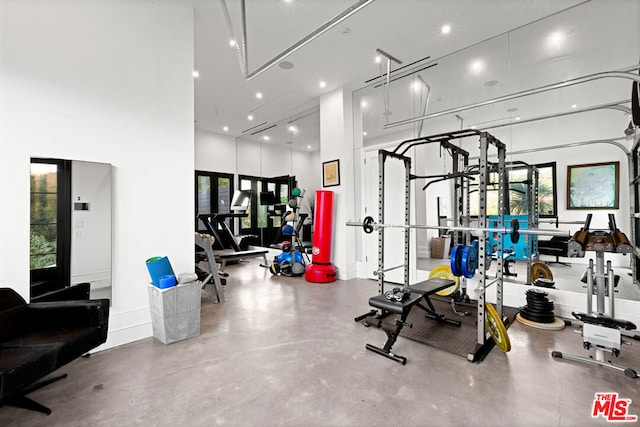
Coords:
212,277
601,331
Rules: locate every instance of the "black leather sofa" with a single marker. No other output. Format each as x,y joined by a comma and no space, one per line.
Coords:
38,338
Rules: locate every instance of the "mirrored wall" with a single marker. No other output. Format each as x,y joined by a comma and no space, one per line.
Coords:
545,90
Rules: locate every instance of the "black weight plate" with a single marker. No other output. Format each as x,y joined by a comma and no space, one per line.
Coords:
540,306
546,318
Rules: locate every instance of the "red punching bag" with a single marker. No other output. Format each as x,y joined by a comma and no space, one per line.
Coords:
321,270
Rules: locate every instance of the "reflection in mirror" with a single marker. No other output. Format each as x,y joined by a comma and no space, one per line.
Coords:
431,97
70,236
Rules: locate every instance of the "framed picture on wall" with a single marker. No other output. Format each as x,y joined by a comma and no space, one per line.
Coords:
331,173
593,186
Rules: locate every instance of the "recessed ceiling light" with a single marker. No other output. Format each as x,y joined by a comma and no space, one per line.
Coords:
292,129
378,59
472,126
323,84
446,29
259,95
196,74
226,128
232,43
416,86
477,66
363,104
517,118
288,1
574,105
266,137
249,117
364,133
556,39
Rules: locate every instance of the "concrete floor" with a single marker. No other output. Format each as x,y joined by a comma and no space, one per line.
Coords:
282,351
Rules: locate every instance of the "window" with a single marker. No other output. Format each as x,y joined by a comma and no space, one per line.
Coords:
517,195
213,195
50,225
260,221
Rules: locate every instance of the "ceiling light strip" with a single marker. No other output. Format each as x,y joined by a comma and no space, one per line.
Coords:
612,105
398,69
625,74
310,37
262,130
227,18
254,127
243,15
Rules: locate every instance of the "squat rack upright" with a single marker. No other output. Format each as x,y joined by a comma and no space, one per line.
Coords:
487,141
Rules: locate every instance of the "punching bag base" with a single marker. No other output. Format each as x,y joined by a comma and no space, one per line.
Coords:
320,273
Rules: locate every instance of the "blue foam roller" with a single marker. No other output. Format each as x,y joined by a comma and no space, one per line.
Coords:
167,281
158,267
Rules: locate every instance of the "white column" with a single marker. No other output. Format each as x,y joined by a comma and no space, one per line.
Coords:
336,142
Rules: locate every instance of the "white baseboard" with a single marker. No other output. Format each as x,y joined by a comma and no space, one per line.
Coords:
126,327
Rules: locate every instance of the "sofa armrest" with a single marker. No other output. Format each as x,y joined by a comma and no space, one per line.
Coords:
68,314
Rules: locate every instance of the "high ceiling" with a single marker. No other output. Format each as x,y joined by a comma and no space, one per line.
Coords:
343,56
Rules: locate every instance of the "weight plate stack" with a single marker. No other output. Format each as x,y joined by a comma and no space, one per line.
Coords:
538,309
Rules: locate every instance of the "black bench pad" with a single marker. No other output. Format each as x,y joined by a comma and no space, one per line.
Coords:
397,307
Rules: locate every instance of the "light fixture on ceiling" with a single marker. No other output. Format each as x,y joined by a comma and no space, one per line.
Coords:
517,118
363,104
322,84
292,129
308,147
364,133
232,43
574,105
446,29
378,59
288,1
266,137
249,117
416,86
556,39
477,66
259,95
196,74
226,128
472,126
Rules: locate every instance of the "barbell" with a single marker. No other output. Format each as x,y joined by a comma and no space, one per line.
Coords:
369,226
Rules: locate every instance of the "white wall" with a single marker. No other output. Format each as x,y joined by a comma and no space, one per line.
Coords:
107,82
221,153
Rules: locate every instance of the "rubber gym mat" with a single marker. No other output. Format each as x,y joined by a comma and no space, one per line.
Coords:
455,340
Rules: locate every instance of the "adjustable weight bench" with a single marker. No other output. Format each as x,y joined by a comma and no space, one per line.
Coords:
420,291
227,256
